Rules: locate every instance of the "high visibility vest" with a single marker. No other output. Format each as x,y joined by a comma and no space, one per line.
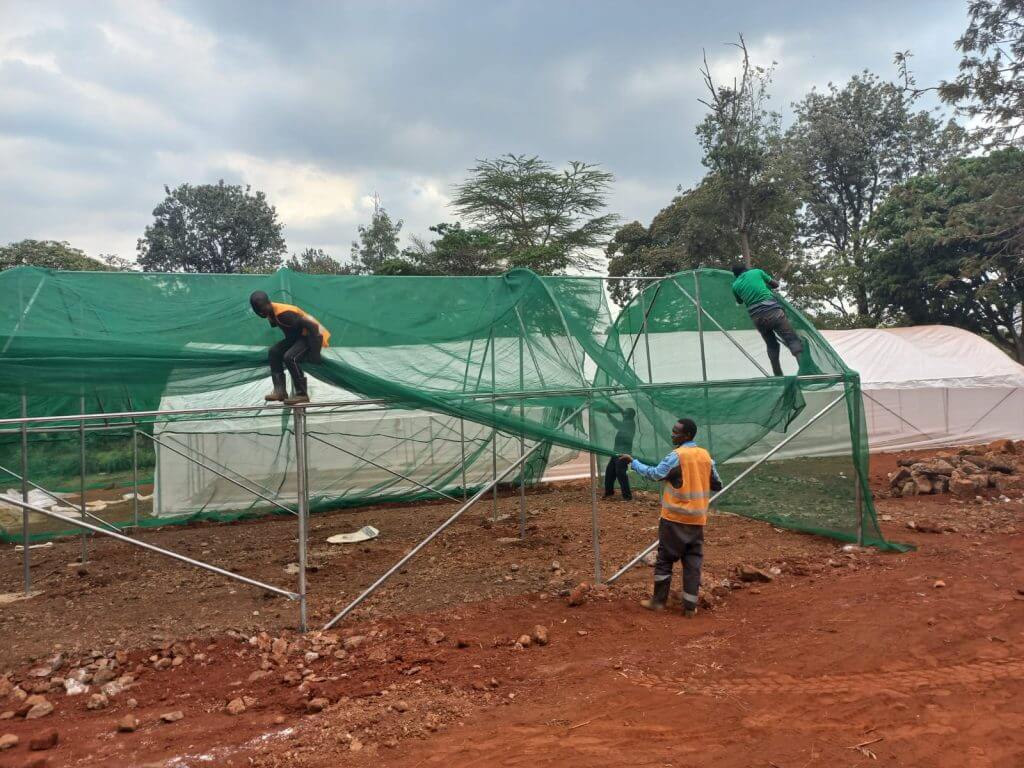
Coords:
279,308
689,504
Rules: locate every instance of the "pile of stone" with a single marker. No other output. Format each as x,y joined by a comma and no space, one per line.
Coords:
966,472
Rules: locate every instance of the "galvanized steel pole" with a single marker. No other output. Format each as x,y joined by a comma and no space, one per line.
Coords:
437,531
26,557
153,548
81,477
302,487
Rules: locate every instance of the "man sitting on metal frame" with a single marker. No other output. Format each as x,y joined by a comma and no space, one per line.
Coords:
304,337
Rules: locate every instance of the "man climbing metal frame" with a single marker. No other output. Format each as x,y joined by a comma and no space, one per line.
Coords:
753,287
304,338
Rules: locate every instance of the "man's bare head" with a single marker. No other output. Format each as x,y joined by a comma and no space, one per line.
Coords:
260,303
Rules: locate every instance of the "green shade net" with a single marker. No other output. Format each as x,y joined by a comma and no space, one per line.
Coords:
515,357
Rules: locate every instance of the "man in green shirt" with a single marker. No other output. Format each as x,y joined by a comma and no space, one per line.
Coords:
753,287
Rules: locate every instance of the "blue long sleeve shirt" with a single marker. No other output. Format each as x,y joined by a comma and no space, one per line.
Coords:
666,465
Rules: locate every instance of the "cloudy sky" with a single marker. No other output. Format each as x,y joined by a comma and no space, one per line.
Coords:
322,104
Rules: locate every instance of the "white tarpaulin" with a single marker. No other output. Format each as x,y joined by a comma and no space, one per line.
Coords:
933,385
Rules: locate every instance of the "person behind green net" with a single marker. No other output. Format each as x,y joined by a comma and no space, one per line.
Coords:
689,478
753,287
625,432
303,340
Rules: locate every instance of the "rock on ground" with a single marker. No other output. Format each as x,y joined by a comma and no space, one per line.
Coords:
579,595
46,740
235,707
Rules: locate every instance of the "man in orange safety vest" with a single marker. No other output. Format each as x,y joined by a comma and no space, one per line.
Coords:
690,478
303,340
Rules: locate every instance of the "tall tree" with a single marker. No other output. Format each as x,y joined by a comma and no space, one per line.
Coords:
742,144
456,251
951,249
377,250
695,230
543,219
852,144
48,254
316,261
218,227
990,85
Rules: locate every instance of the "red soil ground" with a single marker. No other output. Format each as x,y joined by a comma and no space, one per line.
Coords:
844,657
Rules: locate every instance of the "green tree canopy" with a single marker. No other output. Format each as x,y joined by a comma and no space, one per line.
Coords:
316,261
951,249
990,84
48,254
744,152
851,145
378,244
543,219
222,228
695,230
456,251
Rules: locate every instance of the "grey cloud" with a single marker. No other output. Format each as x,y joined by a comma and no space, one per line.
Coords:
387,96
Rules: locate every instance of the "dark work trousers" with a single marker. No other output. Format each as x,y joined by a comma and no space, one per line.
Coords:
678,541
617,469
774,325
289,352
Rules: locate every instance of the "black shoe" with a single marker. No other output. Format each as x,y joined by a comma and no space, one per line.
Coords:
689,610
608,496
659,599
280,392
301,394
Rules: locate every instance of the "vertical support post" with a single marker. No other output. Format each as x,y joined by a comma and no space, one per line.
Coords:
462,448
595,527
703,359
860,514
135,477
302,487
26,557
522,446
494,432
856,435
647,338
81,478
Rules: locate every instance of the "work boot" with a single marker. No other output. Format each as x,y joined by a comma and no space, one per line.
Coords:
280,392
689,609
659,599
301,395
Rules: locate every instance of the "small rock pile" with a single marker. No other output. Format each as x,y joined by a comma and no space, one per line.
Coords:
964,473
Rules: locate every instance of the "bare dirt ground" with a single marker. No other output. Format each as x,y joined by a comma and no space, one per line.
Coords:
843,657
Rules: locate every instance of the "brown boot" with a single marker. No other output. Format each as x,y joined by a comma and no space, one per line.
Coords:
280,392
659,599
301,394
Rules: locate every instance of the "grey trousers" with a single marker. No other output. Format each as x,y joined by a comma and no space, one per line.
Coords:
678,541
774,325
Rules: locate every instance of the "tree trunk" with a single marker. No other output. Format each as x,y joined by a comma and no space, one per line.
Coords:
745,246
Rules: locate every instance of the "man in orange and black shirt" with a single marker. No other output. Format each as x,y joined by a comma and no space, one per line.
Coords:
690,478
303,340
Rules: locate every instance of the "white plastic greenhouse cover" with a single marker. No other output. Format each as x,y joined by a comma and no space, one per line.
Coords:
933,385
923,387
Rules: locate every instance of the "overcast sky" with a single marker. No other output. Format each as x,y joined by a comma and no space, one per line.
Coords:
321,104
